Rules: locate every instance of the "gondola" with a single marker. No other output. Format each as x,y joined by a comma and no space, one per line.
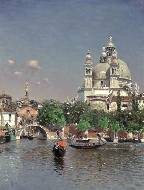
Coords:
58,151
86,144
7,137
59,148
30,137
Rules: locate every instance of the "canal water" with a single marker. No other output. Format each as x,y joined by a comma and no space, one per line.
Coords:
30,165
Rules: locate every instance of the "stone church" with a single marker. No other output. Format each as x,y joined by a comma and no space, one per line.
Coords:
106,79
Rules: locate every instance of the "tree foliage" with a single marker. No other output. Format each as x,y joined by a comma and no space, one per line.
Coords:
73,111
104,122
57,114
133,127
51,114
115,126
83,125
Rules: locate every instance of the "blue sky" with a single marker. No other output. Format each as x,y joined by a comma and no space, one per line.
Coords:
45,42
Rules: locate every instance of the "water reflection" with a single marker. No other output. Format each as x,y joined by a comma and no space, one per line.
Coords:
100,162
59,165
31,165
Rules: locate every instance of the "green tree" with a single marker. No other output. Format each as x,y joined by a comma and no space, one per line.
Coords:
73,111
67,109
83,125
137,118
132,126
51,114
91,116
122,117
115,126
104,122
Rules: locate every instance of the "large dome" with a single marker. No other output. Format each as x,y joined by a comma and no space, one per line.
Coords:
101,70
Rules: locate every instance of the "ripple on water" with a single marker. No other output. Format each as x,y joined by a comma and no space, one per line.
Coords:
32,165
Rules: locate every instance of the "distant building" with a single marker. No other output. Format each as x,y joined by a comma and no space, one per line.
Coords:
8,114
27,110
5,100
8,117
106,79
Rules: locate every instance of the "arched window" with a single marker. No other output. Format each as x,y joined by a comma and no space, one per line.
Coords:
88,71
9,117
102,83
107,106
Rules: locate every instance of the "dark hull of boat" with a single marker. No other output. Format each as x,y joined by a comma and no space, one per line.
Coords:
85,146
30,137
24,137
59,152
7,138
2,140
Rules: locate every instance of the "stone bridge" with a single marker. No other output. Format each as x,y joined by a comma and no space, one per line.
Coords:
22,129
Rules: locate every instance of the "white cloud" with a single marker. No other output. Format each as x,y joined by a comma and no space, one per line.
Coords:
17,73
34,64
11,61
38,83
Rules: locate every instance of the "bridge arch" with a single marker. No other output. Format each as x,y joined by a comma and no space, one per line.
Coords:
43,131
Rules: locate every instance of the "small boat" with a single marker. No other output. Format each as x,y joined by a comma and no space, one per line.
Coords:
23,136
59,151
12,135
30,137
2,139
86,143
59,148
7,137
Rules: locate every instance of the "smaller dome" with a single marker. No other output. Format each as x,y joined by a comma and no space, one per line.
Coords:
88,59
88,55
114,54
101,70
103,52
103,48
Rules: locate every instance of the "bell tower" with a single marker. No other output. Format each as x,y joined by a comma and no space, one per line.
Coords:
88,71
26,97
112,59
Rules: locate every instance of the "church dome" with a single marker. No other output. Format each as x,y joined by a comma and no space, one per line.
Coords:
124,70
101,70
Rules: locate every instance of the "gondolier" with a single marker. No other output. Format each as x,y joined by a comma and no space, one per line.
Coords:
59,148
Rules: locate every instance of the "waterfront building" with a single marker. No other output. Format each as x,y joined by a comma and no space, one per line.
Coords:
27,111
106,80
8,117
5,100
8,114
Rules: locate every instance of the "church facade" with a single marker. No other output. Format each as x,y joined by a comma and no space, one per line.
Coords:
105,81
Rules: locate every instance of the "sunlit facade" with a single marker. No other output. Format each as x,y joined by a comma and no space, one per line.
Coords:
106,79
